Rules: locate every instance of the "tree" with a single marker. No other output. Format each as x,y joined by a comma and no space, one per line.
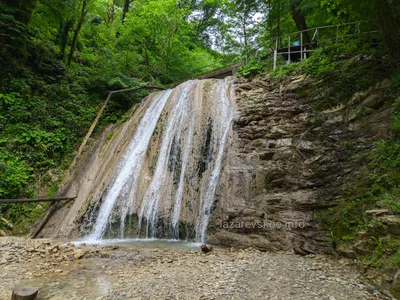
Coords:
300,20
125,10
84,11
240,25
389,22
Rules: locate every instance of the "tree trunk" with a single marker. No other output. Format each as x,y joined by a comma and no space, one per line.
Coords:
300,21
278,27
77,30
244,31
66,27
24,293
390,27
125,9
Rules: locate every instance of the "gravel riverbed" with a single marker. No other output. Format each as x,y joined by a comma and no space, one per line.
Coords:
128,271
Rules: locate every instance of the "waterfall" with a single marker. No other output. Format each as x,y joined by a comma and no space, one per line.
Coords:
130,164
165,183
222,125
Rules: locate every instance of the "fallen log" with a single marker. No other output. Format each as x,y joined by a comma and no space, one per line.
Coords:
26,200
24,293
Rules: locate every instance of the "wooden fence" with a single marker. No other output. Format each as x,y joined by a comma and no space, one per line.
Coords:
299,45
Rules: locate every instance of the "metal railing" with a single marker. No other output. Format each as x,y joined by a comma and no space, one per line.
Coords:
302,43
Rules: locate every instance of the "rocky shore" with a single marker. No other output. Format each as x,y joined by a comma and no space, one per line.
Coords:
129,271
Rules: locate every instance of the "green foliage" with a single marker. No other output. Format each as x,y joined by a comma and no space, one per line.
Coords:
320,64
286,70
397,257
46,107
377,185
14,175
251,69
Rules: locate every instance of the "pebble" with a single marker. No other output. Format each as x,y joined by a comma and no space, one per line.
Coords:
178,274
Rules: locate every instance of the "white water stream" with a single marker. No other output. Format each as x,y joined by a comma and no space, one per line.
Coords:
186,169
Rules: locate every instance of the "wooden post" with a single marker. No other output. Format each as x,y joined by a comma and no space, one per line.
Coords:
24,293
288,62
337,30
275,53
301,45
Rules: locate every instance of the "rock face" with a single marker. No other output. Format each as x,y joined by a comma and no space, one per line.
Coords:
287,162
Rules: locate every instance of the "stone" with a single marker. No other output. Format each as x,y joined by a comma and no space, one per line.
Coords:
392,222
377,212
206,248
373,101
80,253
372,289
346,251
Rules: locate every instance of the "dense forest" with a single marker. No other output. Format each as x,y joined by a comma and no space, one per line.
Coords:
59,59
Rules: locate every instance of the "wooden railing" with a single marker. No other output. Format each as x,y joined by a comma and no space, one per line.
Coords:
300,44
27,200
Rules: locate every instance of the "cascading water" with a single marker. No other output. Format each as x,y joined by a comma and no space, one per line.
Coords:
178,117
166,181
222,126
130,164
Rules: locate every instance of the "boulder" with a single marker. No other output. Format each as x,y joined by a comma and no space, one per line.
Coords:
206,248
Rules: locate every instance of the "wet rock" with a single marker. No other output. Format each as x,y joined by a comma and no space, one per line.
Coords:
80,253
206,248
